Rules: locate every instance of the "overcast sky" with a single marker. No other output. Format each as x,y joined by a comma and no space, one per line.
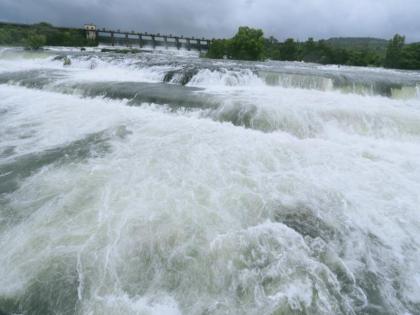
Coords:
299,19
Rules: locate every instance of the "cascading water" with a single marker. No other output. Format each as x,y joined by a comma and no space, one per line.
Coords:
161,183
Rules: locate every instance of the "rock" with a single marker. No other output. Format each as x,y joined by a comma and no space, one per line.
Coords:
67,61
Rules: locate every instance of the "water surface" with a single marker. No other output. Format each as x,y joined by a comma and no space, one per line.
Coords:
162,183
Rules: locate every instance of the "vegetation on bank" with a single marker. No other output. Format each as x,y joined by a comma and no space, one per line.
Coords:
250,44
247,44
37,35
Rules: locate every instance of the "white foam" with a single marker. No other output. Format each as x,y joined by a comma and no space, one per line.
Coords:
224,77
183,214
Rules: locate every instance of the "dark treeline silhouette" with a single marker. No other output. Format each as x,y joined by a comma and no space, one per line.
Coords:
250,44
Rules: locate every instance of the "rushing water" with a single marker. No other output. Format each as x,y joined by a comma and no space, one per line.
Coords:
162,183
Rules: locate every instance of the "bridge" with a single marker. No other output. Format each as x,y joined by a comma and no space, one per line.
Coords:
135,39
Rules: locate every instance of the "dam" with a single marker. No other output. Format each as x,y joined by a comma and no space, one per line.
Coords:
140,39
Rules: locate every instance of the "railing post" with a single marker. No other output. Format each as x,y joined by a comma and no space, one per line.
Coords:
126,39
188,44
166,42
112,39
177,42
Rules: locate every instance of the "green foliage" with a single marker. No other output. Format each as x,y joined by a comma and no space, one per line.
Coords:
321,52
289,50
247,44
402,56
5,37
376,45
218,49
410,57
394,52
35,41
13,35
272,48
30,36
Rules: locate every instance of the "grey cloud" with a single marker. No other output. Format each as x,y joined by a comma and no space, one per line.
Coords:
220,18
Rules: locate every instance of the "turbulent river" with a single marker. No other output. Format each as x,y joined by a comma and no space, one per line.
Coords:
162,183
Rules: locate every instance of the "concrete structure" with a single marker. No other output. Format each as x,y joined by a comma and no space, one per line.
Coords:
90,30
134,39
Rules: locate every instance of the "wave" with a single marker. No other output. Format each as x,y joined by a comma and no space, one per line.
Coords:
302,114
345,83
186,70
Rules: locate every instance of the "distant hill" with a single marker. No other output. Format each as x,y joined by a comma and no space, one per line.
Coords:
378,45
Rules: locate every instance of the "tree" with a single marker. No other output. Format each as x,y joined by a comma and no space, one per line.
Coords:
394,51
289,50
5,37
217,49
247,44
410,57
271,49
357,58
35,41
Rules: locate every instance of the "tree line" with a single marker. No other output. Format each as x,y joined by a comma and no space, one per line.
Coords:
247,44
37,35
250,44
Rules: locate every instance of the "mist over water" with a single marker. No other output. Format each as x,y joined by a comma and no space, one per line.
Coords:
162,183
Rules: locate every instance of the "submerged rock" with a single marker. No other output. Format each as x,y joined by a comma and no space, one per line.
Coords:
181,76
